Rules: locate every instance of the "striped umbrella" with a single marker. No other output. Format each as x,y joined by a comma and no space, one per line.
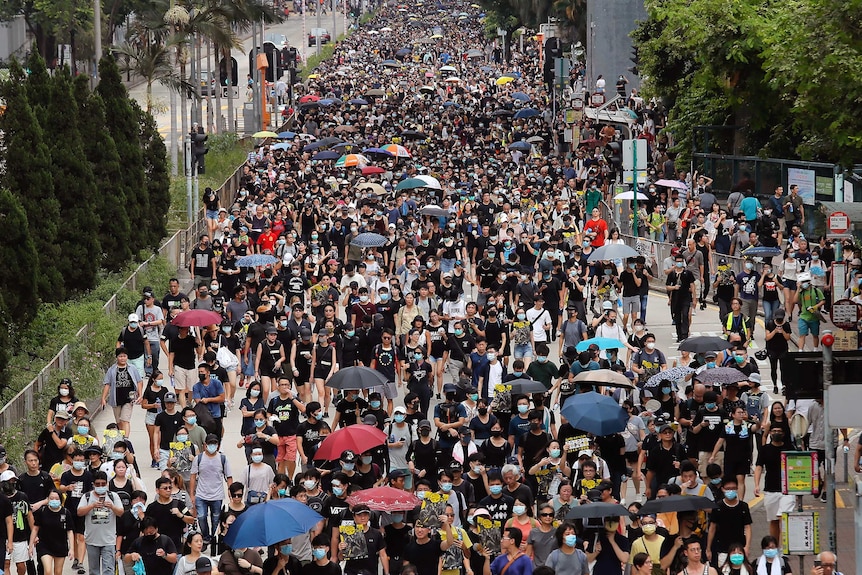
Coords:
397,151
352,161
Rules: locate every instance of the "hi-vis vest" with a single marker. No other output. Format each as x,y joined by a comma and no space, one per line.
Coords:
729,325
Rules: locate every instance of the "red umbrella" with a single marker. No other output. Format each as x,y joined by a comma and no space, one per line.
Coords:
370,170
309,98
357,438
197,318
386,499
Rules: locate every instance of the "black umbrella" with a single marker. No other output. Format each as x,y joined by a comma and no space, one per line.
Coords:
596,510
524,386
413,135
704,343
721,376
356,377
676,503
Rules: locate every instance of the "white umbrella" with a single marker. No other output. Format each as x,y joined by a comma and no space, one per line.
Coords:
630,195
431,181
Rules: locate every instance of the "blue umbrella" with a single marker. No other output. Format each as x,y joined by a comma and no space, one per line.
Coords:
327,155
326,102
379,151
527,113
521,146
315,145
595,413
368,240
513,74
521,96
270,523
602,342
254,260
281,146
358,102
761,251
286,135
448,104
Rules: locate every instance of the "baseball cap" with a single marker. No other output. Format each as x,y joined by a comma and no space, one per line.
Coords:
779,313
450,388
400,409
360,508
305,333
710,354
203,565
396,473
347,456
587,452
464,430
607,305
664,425
170,398
211,438
424,423
369,419
133,317
271,329
7,475
675,251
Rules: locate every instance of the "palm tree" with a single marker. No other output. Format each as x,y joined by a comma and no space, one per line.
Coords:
153,61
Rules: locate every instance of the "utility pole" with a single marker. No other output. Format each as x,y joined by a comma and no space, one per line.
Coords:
97,36
189,193
826,341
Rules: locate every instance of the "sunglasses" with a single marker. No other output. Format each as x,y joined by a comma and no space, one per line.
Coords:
546,514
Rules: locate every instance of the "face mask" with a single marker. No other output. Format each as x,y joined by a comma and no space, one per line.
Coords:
384,297
492,356
570,540
715,481
212,447
348,466
192,420
425,432
259,423
283,323
496,489
421,494
54,504
665,390
749,266
363,298
101,490
115,455
542,359
182,438
350,333
519,509
650,346
255,393
806,285
648,529
483,410
257,458
446,486
770,553
517,373
286,549
730,494
318,553
338,491
522,316
739,358
459,332
710,364
523,409
83,430
375,404
203,376
496,433
64,392
678,265
710,405
555,453
133,325
535,426
366,460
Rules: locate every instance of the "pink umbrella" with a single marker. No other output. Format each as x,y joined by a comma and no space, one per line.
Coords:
672,184
386,499
197,318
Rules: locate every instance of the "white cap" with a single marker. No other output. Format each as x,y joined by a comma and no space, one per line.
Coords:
607,305
587,452
803,277
133,317
7,475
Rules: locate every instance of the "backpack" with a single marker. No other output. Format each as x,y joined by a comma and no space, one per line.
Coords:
223,463
449,412
205,418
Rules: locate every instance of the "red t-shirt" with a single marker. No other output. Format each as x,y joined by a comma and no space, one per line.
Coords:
599,227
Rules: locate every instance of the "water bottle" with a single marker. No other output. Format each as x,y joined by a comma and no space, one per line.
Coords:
158,405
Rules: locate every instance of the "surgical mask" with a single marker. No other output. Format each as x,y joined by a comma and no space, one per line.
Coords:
226,329
384,297
522,316
650,346
64,392
257,458
101,490
519,509
363,298
192,420
770,553
710,364
212,447
348,466
496,489
649,528
366,459
459,332
115,455
283,323
319,553
375,404
350,333
338,491
730,494
482,410
665,390
54,504
678,265
523,408
309,484
133,325
806,285
542,359
633,266
282,492
79,465
83,430
477,470
517,373
182,438
715,480
259,423
739,358
474,397
555,453
570,540
214,287
711,405
286,549
492,356
446,486
421,494
254,393
737,559
749,266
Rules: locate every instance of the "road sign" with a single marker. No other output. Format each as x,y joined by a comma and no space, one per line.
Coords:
800,533
799,473
845,314
839,222
629,154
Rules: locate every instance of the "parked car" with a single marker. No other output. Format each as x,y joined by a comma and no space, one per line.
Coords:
280,40
315,32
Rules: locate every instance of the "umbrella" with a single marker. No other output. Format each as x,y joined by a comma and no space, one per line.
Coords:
197,318
309,98
602,342
502,112
672,184
448,69
520,96
352,161
309,105
535,140
595,413
358,102
255,260
397,151
521,146
605,377
286,135
430,182
356,377
377,151
524,386
326,155
676,503
264,134
672,374
527,113
704,343
761,251
596,510
721,376
345,129
270,523
281,146
437,211
371,170
375,93
427,89
368,240
375,188
409,184
391,63
327,102
344,148
475,52
331,141
314,146
630,195
513,74
504,80
386,29
356,438
612,252
413,135
386,499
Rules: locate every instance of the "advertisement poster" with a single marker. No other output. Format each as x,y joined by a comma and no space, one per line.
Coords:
805,179
825,188
799,472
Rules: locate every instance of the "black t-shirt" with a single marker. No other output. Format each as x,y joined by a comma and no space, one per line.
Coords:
53,454
500,509
348,410
168,425
729,524
169,524
630,288
133,341
777,346
287,413
425,556
36,487
185,351
53,526
81,484
292,566
769,458
146,547
311,435
151,395
374,543
611,447
661,461
708,435
20,509
534,447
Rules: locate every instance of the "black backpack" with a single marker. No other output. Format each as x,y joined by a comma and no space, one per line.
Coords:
449,412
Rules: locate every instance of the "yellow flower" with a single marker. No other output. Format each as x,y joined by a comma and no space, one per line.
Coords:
484,523
347,529
500,387
433,497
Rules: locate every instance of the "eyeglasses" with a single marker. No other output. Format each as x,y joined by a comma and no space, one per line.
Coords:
165,487
546,514
235,495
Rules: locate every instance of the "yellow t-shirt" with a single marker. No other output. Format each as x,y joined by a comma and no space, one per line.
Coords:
453,555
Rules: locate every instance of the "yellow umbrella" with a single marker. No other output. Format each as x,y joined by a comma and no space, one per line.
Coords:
475,6
264,134
436,36
504,80
313,76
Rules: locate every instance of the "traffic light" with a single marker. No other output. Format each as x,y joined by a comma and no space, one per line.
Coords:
635,58
199,149
288,56
614,155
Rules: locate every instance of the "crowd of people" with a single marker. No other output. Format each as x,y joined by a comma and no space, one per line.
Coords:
480,277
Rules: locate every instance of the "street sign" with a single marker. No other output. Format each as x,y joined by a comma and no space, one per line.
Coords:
800,533
629,154
628,176
597,99
578,103
799,473
838,222
839,278
845,314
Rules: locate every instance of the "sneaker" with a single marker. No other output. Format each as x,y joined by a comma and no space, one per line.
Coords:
438,396
75,564
154,464
823,496
81,570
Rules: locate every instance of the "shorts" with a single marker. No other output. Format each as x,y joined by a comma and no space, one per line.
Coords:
123,412
776,503
212,214
631,304
388,390
78,524
184,379
788,284
632,456
736,467
150,418
248,368
432,360
703,461
807,327
522,350
286,448
21,552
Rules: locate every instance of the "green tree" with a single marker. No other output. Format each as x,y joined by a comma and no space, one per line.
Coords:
38,85
17,272
31,181
73,182
109,201
151,58
122,124
157,178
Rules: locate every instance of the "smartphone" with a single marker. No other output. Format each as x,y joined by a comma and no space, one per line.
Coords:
817,563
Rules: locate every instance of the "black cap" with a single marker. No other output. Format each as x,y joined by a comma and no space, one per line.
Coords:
211,438
305,333
347,456
203,565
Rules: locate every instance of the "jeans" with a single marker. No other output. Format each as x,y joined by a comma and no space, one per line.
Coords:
156,352
447,265
101,559
207,509
769,308
644,299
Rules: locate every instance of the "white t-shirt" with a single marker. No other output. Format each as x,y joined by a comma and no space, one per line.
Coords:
539,318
